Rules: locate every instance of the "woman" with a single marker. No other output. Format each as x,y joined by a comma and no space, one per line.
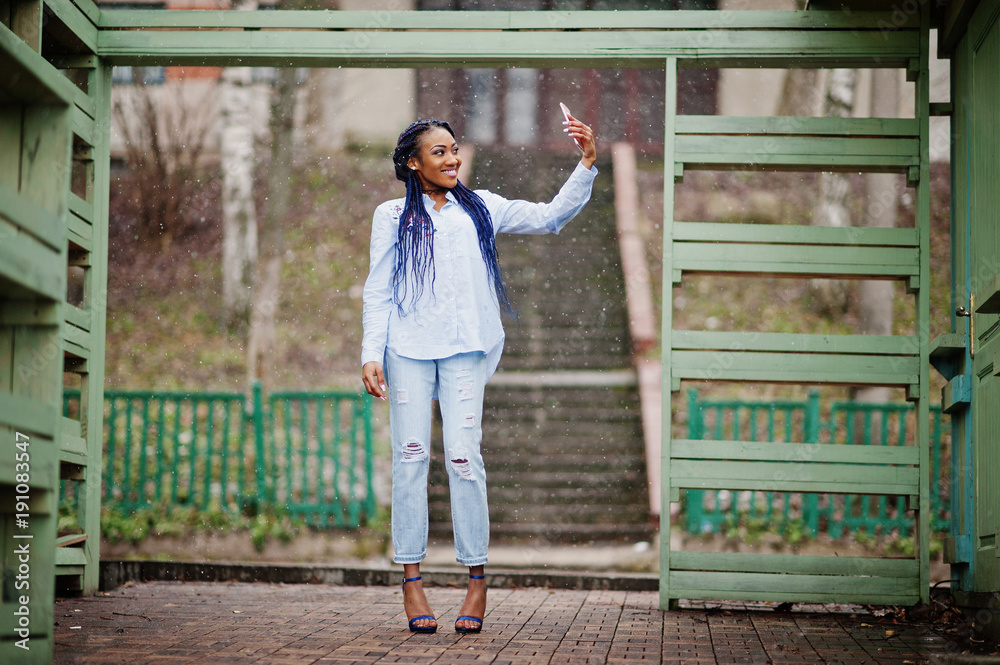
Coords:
432,330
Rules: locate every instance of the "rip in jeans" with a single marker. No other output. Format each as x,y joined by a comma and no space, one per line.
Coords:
462,466
465,387
414,451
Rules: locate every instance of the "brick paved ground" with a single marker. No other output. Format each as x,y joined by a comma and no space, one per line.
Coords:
156,623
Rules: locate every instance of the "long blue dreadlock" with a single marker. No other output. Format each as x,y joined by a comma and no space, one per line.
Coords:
415,240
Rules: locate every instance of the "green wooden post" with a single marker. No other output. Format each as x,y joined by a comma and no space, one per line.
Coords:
34,182
923,187
668,491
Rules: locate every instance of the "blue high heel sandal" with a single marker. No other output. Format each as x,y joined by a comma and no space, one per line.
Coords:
478,620
414,628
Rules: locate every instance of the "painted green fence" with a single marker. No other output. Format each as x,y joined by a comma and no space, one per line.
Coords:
309,453
803,421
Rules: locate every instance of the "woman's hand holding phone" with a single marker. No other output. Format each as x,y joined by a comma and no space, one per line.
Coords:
581,134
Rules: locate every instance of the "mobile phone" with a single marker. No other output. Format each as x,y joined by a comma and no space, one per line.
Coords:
565,112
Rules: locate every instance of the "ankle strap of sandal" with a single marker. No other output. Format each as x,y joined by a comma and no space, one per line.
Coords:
412,579
477,577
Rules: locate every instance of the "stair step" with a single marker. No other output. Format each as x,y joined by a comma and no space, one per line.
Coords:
543,533
580,513
564,456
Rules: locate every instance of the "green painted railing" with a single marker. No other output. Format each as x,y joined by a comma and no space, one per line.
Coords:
308,453
804,422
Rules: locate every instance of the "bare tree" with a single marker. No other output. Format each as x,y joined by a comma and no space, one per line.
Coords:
165,129
875,298
239,213
831,205
267,277
800,93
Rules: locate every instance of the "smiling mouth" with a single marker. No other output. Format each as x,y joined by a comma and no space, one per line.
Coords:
450,172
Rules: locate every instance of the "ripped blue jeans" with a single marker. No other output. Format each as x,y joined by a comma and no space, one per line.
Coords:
459,381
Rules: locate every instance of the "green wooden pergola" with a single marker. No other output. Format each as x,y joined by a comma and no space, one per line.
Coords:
55,63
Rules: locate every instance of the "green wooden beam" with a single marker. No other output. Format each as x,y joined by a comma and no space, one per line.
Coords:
794,588
844,262
774,451
81,25
716,340
804,368
478,39
753,562
807,153
26,78
797,125
796,234
497,20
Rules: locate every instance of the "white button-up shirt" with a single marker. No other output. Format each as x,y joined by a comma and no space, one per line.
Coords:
458,312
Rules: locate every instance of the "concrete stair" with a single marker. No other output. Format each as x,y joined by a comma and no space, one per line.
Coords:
562,427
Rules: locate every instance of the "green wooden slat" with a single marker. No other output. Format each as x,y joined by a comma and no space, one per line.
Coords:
80,231
46,158
83,124
41,613
795,234
36,81
794,452
81,208
70,538
798,588
84,102
24,313
797,125
73,445
28,263
794,477
709,340
70,556
753,562
832,153
44,464
70,427
28,415
30,217
79,23
73,61
796,368
77,336
74,315
801,260
90,10
496,20
75,230
478,49
77,350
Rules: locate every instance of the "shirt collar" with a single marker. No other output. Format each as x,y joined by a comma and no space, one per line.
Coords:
429,202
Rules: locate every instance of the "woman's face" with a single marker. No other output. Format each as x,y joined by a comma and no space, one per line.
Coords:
437,160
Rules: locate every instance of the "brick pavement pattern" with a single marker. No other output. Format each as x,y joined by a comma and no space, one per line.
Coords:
161,623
